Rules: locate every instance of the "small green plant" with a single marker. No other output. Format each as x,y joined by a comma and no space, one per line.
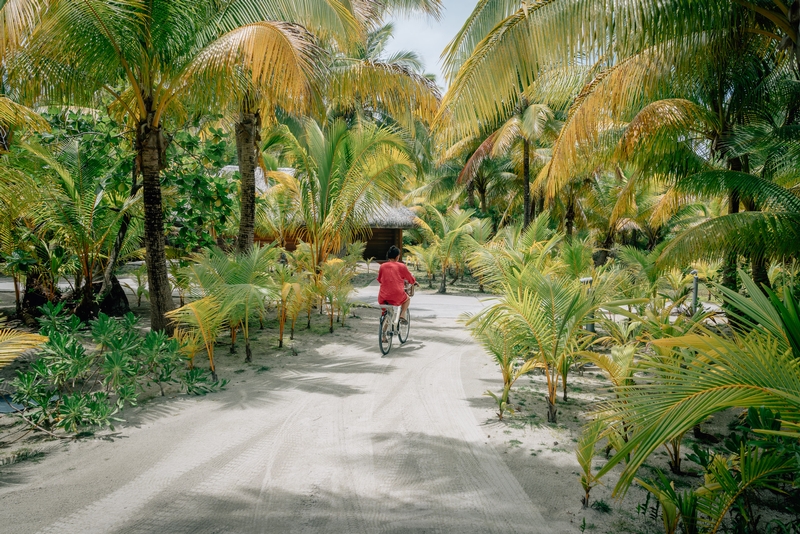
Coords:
601,506
140,273
584,452
199,382
73,388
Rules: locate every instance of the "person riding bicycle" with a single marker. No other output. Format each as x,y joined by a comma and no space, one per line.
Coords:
392,276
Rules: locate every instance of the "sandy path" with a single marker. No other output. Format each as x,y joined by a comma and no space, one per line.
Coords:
341,441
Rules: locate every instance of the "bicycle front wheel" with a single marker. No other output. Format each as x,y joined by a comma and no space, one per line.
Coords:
405,328
385,334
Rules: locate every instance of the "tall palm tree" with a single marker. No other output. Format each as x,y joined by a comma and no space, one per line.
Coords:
387,84
528,132
149,56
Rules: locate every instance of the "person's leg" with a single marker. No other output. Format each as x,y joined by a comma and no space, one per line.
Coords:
404,308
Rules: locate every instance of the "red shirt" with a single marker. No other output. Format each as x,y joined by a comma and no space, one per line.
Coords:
391,277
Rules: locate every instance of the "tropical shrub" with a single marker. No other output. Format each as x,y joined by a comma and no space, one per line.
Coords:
72,387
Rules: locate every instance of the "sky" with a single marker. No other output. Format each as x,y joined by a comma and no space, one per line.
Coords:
428,37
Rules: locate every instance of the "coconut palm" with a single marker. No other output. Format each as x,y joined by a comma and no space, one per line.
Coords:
198,325
507,358
543,315
67,197
528,132
17,20
427,258
157,53
240,284
289,292
342,174
757,366
448,234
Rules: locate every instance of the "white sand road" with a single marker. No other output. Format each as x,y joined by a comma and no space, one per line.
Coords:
342,441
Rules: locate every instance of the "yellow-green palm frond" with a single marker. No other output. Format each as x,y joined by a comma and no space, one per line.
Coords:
661,123
751,233
275,56
484,17
14,343
747,371
601,109
395,89
202,320
17,18
17,115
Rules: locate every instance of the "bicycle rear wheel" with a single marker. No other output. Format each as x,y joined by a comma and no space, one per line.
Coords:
405,328
385,332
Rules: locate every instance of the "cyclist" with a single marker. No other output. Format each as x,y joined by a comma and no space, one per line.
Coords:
392,277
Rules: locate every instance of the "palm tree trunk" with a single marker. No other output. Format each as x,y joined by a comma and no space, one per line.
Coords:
150,147
120,239
552,412
569,219
758,263
730,278
246,151
526,181
443,284
17,300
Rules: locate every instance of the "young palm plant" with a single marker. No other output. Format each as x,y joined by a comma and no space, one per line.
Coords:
511,366
241,284
710,373
67,197
342,174
448,236
543,315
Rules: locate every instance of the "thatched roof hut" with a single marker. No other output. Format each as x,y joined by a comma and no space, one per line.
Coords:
385,223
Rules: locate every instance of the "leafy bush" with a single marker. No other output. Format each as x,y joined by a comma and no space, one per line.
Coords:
73,387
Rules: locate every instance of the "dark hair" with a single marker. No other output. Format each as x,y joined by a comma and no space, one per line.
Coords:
393,253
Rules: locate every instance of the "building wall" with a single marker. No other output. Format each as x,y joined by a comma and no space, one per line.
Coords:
380,241
376,246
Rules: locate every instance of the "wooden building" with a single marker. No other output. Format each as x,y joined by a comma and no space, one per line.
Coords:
386,225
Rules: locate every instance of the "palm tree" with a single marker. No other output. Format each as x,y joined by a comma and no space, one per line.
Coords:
506,356
448,235
157,53
427,258
67,198
342,174
17,20
756,367
240,285
543,315
528,132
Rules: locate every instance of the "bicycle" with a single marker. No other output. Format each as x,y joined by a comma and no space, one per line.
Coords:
390,327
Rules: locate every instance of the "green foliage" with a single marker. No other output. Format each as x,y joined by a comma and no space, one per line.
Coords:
73,388
584,452
203,205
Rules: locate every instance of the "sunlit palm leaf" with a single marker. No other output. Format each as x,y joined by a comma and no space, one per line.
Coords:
14,344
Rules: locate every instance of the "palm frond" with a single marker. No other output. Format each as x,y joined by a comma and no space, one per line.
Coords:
14,343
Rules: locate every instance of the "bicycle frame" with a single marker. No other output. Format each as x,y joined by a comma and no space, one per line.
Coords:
396,318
